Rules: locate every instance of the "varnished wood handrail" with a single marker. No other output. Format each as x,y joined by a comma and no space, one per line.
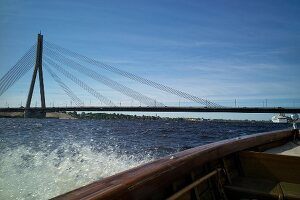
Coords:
146,180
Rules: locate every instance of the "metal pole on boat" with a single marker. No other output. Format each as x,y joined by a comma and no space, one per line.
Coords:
294,118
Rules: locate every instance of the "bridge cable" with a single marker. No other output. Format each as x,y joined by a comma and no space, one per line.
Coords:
91,74
18,70
17,67
67,90
79,82
110,83
13,72
133,76
100,78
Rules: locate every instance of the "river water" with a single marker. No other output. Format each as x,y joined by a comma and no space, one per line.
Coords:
42,158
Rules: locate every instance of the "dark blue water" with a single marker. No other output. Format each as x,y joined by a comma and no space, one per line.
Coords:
40,159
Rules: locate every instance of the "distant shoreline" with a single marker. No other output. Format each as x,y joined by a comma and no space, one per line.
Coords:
117,116
53,115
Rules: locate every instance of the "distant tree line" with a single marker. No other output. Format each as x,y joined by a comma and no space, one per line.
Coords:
115,116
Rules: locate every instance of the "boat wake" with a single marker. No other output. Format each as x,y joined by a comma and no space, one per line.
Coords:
27,173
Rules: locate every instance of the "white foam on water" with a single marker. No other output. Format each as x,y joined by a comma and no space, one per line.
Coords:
26,173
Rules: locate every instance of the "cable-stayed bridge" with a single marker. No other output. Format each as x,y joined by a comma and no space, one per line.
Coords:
59,61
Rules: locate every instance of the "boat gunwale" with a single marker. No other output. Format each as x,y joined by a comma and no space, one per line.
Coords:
128,182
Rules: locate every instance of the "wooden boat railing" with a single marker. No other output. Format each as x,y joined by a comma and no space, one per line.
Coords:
150,181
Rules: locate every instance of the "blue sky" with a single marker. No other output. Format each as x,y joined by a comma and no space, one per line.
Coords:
219,50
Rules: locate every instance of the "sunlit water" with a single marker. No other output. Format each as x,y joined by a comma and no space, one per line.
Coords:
40,159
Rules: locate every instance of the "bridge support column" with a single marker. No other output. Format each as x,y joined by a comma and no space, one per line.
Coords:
34,113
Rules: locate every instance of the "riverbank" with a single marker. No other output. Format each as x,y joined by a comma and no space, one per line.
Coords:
117,116
55,115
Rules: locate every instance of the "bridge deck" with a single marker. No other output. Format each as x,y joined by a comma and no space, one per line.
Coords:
161,109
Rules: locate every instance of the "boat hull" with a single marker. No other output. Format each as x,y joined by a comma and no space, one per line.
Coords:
165,177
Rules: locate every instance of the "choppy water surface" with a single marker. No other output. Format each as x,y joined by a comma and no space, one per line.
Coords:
40,159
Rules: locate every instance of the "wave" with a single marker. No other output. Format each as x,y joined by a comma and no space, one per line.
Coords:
28,173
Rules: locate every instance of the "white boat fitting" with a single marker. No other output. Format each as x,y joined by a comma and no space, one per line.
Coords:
281,118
